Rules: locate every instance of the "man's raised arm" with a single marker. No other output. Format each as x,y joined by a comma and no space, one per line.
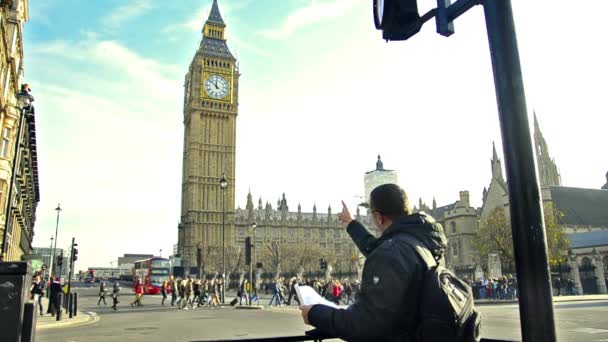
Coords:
365,241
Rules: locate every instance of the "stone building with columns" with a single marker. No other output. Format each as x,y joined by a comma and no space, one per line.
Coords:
18,152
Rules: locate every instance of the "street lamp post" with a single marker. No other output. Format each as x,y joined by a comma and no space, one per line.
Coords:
223,186
58,209
24,101
252,264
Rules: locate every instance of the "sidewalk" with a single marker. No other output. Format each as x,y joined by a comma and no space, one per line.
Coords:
556,299
48,322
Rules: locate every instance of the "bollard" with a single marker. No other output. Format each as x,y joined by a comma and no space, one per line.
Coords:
28,332
15,282
64,302
75,303
70,304
58,302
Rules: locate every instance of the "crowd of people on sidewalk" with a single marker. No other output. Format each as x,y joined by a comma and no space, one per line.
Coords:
283,292
190,293
501,288
186,293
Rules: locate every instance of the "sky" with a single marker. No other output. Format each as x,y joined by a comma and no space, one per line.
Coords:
321,95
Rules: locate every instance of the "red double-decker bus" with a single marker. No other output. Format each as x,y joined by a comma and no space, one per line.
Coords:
152,272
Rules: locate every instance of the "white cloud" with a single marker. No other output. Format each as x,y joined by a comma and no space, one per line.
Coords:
313,12
109,129
124,13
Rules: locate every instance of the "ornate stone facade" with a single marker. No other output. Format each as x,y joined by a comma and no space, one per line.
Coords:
25,194
210,113
292,229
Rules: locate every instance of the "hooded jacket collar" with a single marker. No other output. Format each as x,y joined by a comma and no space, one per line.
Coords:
423,227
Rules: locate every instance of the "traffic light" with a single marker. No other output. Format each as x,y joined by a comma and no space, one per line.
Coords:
323,264
199,256
248,251
75,251
59,260
398,19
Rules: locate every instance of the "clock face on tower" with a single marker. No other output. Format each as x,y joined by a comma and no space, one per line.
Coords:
216,87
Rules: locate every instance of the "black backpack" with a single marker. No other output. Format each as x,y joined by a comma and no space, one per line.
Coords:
447,311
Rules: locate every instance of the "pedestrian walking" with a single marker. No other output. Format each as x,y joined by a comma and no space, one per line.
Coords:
188,293
55,296
37,292
115,295
292,291
102,293
242,293
163,292
275,289
173,288
138,289
215,290
558,286
196,289
336,291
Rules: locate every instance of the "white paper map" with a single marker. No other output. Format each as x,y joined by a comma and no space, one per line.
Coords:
308,296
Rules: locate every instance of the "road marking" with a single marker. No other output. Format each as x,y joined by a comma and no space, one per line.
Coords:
591,331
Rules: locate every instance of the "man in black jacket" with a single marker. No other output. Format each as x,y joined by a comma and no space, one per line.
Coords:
387,305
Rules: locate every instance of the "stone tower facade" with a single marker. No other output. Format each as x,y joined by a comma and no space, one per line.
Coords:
377,177
210,113
547,170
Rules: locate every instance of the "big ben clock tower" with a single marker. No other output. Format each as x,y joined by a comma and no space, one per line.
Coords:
210,112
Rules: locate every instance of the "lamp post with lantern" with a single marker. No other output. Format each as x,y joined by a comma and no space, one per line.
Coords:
223,186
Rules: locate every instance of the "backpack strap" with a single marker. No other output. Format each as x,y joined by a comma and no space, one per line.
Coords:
423,252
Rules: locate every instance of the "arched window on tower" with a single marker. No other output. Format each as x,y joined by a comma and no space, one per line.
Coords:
453,227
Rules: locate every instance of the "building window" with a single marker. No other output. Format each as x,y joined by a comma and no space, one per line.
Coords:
453,227
322,234
307,234
2,188
6,133
455,248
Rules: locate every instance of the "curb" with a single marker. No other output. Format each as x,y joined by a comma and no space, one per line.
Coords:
566,300
92,317
247,307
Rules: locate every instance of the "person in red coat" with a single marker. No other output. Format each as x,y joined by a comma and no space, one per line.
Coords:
138,288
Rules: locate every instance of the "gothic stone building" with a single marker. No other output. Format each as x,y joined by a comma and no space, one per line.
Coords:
582,215
293,228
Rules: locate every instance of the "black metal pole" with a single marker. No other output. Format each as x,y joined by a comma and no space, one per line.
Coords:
529,238
58,209
223,250
11,185
71,269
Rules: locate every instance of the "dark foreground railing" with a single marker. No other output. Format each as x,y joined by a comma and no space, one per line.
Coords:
308,337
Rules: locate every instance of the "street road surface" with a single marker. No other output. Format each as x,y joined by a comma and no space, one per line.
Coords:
576,322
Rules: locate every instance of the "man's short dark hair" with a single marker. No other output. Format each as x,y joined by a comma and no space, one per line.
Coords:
390,200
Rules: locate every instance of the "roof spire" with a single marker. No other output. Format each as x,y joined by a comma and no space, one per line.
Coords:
215,16
536,125
494,154
379,164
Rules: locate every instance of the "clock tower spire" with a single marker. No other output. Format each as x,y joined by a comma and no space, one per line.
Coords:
210,113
